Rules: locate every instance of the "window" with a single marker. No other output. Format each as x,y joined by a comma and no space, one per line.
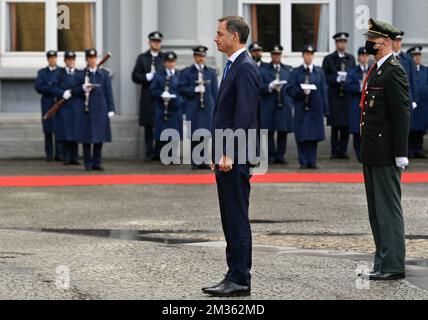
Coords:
32,27
309,23
25,27
264,20
293,23
80,33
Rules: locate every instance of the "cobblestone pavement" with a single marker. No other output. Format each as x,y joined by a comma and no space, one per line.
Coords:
138,242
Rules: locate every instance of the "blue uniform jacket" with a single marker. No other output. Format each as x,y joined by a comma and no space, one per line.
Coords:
353,88
309,126
200,118
275,118
175,107
68,114
420,114
93,127
44,86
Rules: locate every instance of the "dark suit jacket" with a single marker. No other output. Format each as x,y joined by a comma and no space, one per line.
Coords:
238,106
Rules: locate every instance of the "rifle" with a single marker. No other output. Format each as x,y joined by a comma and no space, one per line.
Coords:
202,82
60,103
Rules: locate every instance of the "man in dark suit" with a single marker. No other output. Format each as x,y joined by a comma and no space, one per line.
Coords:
385,126
147,65
236,110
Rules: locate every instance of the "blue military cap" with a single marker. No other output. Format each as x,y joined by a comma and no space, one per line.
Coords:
91,53
362,50
277,49
415,50
51,53
400,36
255,46
170,56
341,36
200,51
69,55
309,48
156,36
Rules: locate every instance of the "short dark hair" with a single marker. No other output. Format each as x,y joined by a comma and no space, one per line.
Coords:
239,25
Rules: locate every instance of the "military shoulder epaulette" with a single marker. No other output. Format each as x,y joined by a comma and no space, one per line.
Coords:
394,62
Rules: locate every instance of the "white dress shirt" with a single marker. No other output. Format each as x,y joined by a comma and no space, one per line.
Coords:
382,61
235,56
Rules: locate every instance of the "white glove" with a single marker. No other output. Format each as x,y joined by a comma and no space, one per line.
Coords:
402,163
414,105
341,76
67,95
273,85
86,88
165,95
200,89
150,76
111,114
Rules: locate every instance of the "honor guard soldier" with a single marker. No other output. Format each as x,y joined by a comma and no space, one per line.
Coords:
199,88
66,80
407,63
256,52
385,125
276,105
308,88
354,87
93,121
336,67
169,104
44,87
419,125
146,66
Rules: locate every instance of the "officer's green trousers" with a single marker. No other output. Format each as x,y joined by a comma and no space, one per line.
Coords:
383,188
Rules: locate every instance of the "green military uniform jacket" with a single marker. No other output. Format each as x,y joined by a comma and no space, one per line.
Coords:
385,122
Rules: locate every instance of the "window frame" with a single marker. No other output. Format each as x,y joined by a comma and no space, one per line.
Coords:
31,58
286,22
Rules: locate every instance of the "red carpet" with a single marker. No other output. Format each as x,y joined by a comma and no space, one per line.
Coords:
205,179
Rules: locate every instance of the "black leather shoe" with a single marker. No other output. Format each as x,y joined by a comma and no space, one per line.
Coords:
229,289
387,276
75,163
216,285
304,167
367,275
98,168
313,167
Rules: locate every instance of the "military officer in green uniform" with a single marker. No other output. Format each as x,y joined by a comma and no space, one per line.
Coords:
385,126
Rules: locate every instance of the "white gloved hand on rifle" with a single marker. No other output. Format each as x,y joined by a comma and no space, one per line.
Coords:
67,95
111,114
87,88
200,89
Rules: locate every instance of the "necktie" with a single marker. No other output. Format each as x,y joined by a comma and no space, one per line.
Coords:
226,69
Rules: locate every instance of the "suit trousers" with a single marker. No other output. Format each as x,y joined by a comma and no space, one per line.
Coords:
234,194
383,190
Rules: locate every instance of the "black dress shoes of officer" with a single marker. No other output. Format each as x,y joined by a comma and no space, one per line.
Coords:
98,168
379,276
367,275
229,289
